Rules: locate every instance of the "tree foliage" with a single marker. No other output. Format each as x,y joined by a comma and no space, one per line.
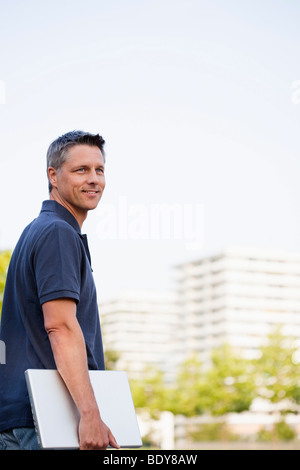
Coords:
230,384
226,386
278,370
150,392
188,396
4,262
111,358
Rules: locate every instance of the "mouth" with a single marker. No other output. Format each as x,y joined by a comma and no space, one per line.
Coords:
91,192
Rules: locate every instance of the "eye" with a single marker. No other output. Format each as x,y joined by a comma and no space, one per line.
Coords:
80,170
100,170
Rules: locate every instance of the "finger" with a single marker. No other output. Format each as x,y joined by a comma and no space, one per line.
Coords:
113,441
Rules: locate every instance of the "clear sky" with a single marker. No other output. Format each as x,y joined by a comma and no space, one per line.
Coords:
198,103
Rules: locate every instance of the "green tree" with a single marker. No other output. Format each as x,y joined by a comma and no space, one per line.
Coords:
187,397
280,431
150,392
278,370
111,359
4,262
230,383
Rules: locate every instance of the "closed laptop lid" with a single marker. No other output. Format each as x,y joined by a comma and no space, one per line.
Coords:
56,416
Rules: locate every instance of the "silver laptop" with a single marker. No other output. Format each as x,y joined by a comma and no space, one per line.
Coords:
56,416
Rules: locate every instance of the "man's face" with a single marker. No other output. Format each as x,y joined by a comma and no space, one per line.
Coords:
80,182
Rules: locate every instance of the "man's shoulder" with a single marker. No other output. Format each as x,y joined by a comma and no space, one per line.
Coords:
48,231
51,221
46,228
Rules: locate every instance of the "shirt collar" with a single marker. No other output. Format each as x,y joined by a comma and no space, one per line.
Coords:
62,212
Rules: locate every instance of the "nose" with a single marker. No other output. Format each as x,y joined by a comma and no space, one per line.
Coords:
93,177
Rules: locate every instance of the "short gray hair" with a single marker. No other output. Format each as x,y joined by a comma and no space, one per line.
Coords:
58,149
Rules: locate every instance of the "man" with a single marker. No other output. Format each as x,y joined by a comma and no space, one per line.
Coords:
49,314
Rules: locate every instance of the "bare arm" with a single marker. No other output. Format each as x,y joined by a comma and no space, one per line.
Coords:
69,352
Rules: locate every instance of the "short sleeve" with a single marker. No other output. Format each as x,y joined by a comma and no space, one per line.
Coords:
57,263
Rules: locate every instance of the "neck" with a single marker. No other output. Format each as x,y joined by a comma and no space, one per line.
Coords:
79,216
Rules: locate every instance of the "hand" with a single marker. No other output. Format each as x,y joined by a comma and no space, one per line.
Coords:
94,434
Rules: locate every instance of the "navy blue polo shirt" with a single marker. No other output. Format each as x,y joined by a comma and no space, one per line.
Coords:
50,261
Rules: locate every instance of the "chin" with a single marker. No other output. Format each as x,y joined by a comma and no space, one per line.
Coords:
92,206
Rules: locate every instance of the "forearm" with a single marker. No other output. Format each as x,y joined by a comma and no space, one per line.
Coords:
69,352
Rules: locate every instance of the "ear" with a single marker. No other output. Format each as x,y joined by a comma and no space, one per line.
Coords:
52,175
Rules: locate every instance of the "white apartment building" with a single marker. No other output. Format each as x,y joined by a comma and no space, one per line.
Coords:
142,326
238,296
